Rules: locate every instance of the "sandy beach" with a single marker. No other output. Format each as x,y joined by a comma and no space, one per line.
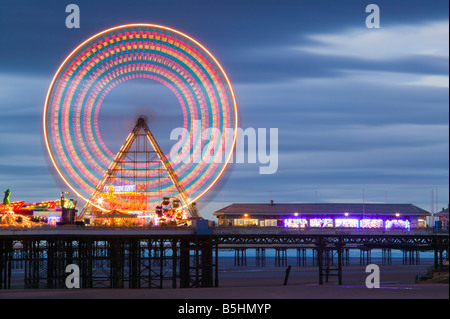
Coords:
397,281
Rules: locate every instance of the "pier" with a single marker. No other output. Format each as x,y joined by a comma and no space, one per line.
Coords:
179,257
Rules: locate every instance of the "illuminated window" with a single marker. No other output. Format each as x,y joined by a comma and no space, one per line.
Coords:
270,222
346,222
321,222
295,223
421,223
245,222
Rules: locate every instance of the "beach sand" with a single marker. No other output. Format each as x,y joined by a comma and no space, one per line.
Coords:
397,281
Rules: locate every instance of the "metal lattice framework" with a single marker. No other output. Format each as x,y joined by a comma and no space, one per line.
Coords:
146,259
137,167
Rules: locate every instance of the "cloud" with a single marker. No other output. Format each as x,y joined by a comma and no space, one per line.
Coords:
393,42
431,80
387,78
355,107
404,54
327,104
22,94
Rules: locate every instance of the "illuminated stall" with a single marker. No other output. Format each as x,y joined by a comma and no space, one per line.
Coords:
401,224
295,223
321,222
346,222
116,218
372,223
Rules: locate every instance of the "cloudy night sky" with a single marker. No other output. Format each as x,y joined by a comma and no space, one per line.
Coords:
358,110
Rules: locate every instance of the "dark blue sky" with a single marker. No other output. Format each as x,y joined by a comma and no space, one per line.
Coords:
356,108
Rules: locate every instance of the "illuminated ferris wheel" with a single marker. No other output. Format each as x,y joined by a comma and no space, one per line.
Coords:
125,53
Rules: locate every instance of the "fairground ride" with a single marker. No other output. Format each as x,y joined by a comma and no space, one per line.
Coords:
136,179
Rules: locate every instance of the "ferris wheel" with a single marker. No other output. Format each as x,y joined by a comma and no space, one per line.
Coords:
125,53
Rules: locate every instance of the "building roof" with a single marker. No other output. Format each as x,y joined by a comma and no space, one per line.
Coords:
315,208
443,212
